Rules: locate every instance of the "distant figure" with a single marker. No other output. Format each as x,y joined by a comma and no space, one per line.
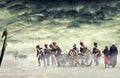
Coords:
106,56
47,54
37,48
53,52
16,55
113,55
75,48
96,54
40,55
82,47
85,53
56,48
58,51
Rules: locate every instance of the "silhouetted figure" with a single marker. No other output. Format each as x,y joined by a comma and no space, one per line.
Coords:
82,47
47,54
16,55
58,51
75,48
96,54
113,55
106,56
53,52
40,55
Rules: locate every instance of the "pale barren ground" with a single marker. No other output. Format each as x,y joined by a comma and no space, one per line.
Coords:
28,68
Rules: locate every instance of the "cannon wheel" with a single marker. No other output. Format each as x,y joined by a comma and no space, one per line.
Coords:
63,59
87,58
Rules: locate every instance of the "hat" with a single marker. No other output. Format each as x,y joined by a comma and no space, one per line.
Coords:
113,43
50,45
81,43
54,42
37,46
95,43
74,45
46,44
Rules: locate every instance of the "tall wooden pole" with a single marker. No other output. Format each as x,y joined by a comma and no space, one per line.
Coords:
3,46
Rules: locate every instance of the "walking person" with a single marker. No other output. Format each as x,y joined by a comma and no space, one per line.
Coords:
53,58
82,52
82,47
106,56
40,55
57,52
113,55
75,48
76,55
47,54
96,54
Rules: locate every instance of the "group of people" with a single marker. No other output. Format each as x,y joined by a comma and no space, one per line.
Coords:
110,55
54,52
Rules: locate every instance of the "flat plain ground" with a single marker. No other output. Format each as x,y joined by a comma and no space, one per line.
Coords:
28,68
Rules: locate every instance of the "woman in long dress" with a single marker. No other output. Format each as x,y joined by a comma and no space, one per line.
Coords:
106,56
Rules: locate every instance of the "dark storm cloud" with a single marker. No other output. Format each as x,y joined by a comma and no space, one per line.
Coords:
59,1
71,0
82,11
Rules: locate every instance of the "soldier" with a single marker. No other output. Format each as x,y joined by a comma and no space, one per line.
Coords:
75,48
57,52
85,52
47,54
40,55
96,54
53,58
82,47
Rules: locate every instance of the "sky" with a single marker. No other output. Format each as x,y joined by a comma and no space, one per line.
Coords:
59,1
